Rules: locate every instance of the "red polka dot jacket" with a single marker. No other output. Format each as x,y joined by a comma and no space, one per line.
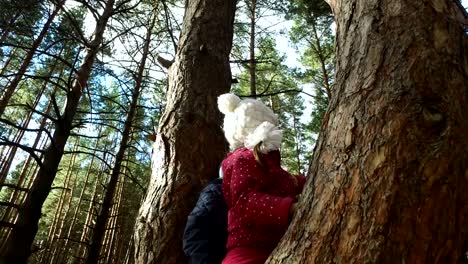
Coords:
258,198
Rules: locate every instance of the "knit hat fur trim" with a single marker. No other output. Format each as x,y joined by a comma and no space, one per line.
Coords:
249,122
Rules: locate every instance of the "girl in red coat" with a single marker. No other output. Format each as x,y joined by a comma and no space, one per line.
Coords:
260,194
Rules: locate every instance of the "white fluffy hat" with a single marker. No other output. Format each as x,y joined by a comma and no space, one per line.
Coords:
249,122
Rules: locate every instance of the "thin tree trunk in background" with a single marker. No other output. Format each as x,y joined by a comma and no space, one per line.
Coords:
15,197
5,161
389,177
99,228
114,227
109,230
5,148
10,89
321,57
120,244
5,67
5,168
64,248
190,126
129,252
93,210
297,142
52,235
22,235
58,238
84,240
253,63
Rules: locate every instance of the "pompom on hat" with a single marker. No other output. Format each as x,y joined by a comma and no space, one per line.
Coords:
249,122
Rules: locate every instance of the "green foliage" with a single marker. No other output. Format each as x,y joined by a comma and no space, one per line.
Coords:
278,88
312,34
7,192
308,9
98,123
18,17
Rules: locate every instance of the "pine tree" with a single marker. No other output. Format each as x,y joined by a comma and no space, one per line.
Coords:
387,182
21,238
188,128
312,33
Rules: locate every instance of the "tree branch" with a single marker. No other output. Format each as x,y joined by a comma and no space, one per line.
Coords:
12,186
6,224
91,154
26,149
7,204
279,92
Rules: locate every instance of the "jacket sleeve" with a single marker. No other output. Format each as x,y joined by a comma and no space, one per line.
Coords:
200,241
195,241
250,204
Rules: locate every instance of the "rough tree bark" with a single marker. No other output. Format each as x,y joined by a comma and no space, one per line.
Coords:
189,143
388,181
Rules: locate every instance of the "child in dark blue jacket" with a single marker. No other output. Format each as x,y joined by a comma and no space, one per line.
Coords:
205,234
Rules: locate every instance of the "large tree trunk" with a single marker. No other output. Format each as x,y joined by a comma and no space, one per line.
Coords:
189,144
388,180
21,239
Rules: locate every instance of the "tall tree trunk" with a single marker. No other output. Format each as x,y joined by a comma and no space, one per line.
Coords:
9,90
5,168
114,227
52,234
252,61
189,144
22,236
100,227
122,230
388,180
55,243
10,213
5,67
65,246
321,57
297,141
20,186
84,240
27,175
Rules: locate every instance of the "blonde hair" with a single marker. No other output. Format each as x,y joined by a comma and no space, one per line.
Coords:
258,154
